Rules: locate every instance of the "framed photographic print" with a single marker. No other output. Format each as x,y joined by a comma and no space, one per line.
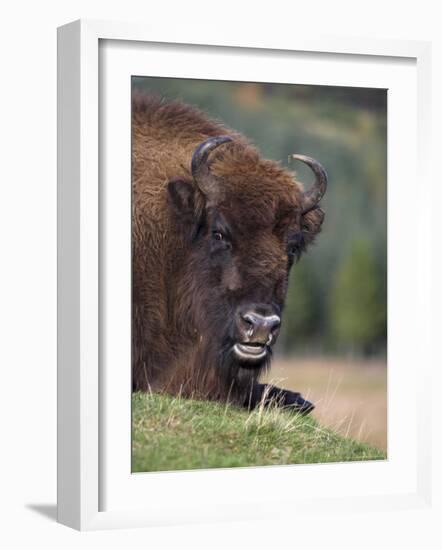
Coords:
232,252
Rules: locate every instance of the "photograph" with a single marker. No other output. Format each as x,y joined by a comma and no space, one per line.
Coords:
259,274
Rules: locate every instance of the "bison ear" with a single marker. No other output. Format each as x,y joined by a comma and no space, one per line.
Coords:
183,197
311,224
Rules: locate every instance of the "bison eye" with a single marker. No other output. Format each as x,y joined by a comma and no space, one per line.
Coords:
219,242
295,247
217,236
292,256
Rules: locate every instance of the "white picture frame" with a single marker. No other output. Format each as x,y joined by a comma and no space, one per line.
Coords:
82,445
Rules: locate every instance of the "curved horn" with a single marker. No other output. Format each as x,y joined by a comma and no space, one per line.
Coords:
201,154
312,196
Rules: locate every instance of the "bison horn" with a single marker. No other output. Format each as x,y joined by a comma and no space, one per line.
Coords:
312,196
201,154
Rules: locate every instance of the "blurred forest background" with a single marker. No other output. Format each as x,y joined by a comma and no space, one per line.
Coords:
334,333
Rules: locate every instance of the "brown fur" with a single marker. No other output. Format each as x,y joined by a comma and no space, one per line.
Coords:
183,295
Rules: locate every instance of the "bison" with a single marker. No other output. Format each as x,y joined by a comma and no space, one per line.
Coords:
216,229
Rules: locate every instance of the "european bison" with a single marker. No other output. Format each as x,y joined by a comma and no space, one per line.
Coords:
215,231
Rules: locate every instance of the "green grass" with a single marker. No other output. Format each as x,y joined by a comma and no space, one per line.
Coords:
170,433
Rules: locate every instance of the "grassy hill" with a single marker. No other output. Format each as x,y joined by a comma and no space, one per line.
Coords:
170,433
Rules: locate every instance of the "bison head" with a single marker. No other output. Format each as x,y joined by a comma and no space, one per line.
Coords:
243,222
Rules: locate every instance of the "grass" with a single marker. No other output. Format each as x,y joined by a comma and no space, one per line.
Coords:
350,394
172,433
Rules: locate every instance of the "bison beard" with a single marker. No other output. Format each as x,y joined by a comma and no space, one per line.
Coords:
216,229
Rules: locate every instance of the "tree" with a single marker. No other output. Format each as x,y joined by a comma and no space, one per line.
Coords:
301,315
358,307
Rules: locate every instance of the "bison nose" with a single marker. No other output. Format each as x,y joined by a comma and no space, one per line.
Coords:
259,328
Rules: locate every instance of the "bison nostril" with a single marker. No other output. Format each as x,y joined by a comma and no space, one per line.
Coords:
275,323
249,323
249,319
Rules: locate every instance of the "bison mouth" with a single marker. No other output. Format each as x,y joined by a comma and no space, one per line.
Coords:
250,351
